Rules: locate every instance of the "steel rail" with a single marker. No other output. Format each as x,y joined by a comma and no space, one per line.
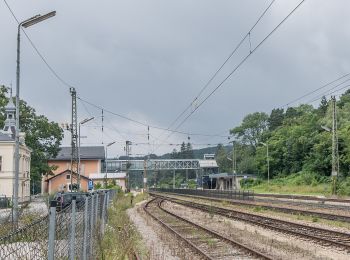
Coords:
322,215
302,197
246,249
193,246
229,240
325,236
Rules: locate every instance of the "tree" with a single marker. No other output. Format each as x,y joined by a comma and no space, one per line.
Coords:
252,128
189,151
174,154
42,136
182,154
276,118
221,158
323,106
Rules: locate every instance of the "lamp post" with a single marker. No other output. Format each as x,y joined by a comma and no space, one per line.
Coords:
29,22
81,123
268,162
106,162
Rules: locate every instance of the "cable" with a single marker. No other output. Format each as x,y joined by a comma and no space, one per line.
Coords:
315,90
235,69
37,50
143,123
311,101
222,65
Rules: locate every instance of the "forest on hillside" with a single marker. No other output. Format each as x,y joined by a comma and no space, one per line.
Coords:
297,141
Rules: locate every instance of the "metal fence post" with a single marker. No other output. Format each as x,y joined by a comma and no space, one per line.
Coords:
108,192
103,218
52,229
72,231
86,217
96,207
92,223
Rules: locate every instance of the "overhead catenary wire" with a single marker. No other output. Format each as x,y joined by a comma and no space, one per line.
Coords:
234,70
315,90
222,65
56,75
143,123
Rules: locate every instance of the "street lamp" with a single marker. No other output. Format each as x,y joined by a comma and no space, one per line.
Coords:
106,162
81,123
268,162
29,22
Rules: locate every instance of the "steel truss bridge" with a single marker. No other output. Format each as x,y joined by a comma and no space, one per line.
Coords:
161,164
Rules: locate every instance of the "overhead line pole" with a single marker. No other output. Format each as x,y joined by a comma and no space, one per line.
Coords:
335,157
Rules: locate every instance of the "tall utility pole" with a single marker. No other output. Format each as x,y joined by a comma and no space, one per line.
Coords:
27,23
234,165
74,139
145,166
127,153
335,154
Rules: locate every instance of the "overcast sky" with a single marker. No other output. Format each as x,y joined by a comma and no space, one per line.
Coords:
147,60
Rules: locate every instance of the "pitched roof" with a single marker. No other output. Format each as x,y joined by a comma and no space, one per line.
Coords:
66,171
86,153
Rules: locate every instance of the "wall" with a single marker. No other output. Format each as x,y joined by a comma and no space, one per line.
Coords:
87,166
58,183
7,150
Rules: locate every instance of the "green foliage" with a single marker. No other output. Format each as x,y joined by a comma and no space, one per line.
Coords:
252,128
297,143
97,186
225,165
121,238
343,187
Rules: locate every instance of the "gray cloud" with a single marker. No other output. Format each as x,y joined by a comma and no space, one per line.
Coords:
148,59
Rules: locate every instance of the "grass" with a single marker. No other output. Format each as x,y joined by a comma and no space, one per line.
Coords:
303,183
319,189
121,239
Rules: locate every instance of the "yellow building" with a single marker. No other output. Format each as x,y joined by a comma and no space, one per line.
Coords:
7,158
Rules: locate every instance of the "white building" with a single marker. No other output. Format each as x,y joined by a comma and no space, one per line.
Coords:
7,158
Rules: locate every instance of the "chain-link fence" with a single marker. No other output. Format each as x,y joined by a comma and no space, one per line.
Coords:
69,233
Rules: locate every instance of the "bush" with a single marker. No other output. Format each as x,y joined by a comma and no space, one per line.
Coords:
343,187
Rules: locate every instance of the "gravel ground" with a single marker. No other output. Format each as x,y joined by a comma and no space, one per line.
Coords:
278,215
160,243
279,246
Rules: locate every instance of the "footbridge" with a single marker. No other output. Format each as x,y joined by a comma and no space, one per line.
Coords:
205,166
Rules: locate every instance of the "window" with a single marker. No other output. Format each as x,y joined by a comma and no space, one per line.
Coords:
68,176
0,163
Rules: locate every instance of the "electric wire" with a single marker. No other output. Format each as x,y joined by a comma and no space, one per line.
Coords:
57,76
315,90
234,70
222,65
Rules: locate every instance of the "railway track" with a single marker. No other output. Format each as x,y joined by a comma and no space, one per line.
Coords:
303,197
206,243
329,216
323,236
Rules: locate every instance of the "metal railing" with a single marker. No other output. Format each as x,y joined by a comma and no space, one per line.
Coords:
71,233
225,194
